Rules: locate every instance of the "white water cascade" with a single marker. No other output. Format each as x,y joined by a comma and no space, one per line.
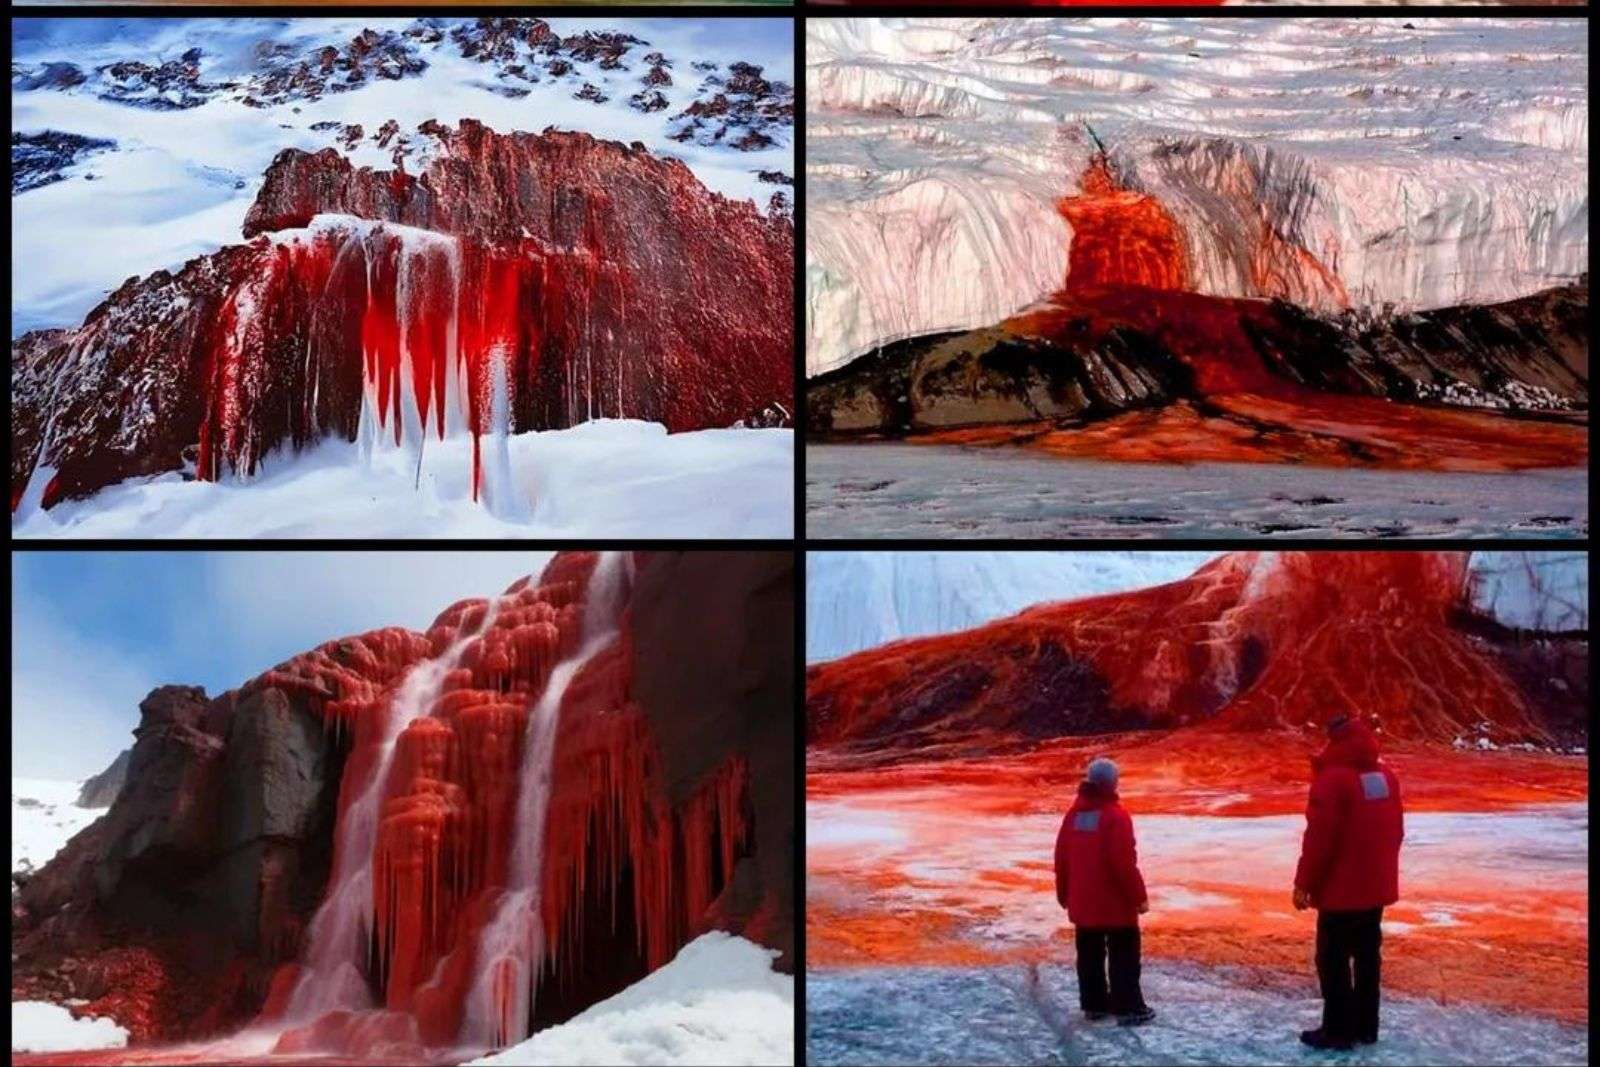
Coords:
511,950
331,972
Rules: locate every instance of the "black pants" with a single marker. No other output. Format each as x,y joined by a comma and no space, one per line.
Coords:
1122,944
1347,968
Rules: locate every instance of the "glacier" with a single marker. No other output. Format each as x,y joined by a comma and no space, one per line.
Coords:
860,600
1331,162
857,600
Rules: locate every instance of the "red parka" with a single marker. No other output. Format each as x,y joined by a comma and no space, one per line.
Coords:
1350,856
1097,863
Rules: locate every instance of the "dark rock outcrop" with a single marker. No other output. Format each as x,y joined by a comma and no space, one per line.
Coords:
715,676
1094,354
38,159
198,882
101,790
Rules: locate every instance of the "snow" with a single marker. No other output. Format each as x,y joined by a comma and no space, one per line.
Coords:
909,491
44,817
857,600
1430,164
1204,1015
717,1002
605,479
179,183
40,1027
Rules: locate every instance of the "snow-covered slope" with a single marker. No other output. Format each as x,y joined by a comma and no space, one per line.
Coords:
198,108
1423,163
604,478
718,1002
857,600
44,817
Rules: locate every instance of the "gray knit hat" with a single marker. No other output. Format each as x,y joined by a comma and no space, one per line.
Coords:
1102,773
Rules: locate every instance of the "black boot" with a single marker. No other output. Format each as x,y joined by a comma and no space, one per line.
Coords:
1369,1038
1096,1016
1136,1018
1317,1039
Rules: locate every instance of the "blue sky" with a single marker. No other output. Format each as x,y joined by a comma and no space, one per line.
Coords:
93,632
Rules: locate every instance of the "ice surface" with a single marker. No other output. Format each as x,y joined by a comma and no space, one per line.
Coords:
1536,591
1221,1015
1425,163
44,817
37,1026
902,491
606,478
718,1002
857,600
179,183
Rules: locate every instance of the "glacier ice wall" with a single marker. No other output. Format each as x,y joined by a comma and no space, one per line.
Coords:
1326,161
857,600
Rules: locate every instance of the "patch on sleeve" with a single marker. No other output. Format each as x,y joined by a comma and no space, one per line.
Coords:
1375,786
1086,820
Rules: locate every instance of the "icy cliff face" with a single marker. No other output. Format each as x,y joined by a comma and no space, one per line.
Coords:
858,600
1328,162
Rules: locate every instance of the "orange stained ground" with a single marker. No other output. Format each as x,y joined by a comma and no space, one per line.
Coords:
1336,431
955,868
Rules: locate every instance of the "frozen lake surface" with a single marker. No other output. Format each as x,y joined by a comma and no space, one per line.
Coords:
1223,1015
903,491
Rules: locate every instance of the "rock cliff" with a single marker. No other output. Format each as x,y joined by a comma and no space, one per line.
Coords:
214,889
520,282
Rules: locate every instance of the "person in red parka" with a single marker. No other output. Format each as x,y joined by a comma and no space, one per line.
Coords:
1098,882
1349,871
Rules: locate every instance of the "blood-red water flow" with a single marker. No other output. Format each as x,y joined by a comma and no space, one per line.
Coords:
522,283
1251,641
499,783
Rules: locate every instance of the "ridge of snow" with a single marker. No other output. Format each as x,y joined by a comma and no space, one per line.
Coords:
603,478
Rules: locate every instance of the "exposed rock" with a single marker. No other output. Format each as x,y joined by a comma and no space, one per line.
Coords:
101,790
46,76
678,301
1095,354
38,159
671,809
715,676
647,101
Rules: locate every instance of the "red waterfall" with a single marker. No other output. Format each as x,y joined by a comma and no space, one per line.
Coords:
446,829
